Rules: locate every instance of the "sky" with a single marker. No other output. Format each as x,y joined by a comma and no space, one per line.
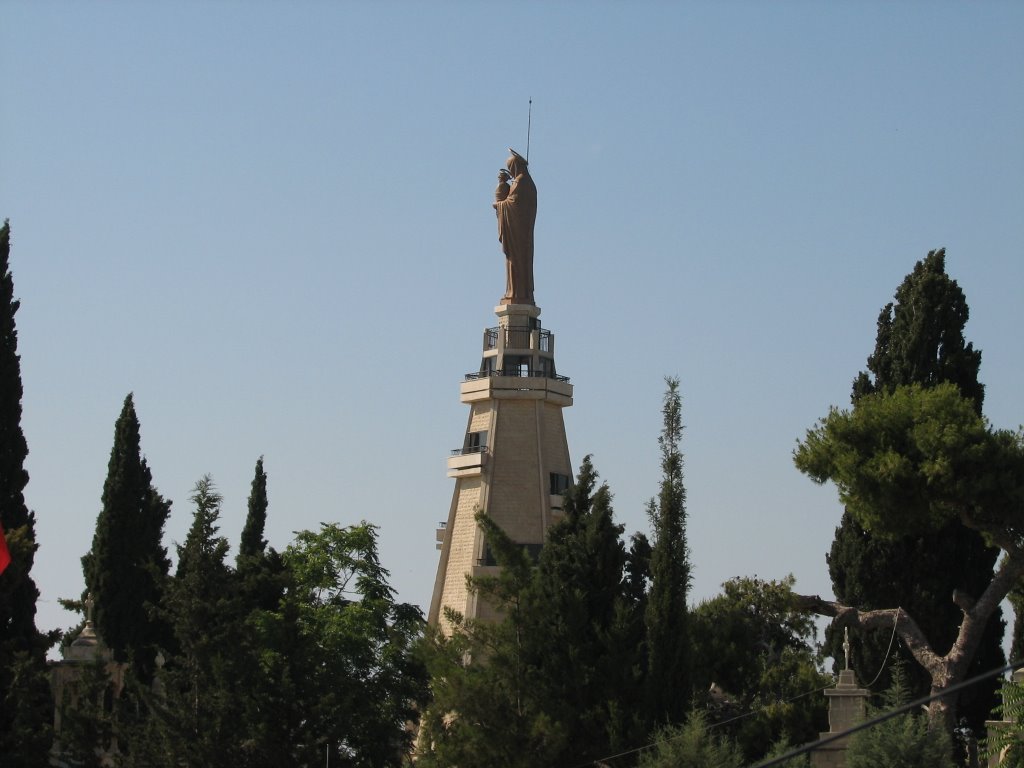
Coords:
272,223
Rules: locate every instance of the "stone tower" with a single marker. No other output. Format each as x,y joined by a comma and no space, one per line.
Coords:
513,464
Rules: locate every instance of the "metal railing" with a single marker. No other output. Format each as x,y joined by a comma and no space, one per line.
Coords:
530,374
467,450
517,338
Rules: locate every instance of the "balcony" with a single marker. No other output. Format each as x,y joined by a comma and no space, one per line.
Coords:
465,462
518,338
521,385
468,450
518,373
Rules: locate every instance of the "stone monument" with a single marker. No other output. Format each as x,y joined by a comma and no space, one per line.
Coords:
513,463
846,708
515,203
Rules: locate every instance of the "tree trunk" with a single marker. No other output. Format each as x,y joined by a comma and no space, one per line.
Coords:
946,670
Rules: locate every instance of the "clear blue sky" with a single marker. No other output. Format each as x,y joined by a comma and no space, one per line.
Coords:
271,222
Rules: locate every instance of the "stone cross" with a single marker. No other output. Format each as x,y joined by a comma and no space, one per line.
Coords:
846,645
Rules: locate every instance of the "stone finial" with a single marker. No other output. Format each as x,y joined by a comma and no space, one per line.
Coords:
88,644
846,645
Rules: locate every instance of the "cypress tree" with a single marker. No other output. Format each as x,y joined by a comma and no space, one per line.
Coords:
252,542
920,337
667,613
26,711
260,572
126,569
920,340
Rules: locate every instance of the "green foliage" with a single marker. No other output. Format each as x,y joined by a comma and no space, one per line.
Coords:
25,710
1016,598
252,542
27,707
1007,741
904,741
912,460
199,712
299,659
328,671
13,447
920,337
559,680
781,747
352,662
485,709
871,572
88,723
585,631
667,613
920,340
482,711
127,566
691,745
759,652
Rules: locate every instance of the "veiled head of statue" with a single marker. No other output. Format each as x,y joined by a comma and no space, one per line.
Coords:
516,162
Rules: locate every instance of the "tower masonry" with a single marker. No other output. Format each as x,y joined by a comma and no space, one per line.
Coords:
513,465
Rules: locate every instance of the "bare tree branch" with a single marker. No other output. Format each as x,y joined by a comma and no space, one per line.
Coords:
944,670
847,616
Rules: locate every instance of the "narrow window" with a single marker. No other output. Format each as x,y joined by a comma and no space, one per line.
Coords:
559,484
476,442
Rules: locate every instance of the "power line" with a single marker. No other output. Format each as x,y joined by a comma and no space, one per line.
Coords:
831,737
751,713
888,715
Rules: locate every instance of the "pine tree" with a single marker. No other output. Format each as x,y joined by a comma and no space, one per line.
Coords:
691,745
583,631
205,682
920,340
25,707
558,680
667,612
483,711
905,741
126,569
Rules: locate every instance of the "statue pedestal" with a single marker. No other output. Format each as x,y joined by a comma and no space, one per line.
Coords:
506,312
845,709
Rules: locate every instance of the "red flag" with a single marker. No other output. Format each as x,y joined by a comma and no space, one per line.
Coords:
5,553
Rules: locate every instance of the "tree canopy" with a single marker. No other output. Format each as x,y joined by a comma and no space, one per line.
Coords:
908,462
912,460
757,656
920,340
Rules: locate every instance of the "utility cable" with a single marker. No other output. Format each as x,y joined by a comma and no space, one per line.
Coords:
888,715
835,736
895,623
752,712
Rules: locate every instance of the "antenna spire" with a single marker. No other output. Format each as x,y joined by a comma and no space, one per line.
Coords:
529,124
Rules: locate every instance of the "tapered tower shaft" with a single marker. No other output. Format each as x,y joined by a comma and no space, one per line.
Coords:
513,464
